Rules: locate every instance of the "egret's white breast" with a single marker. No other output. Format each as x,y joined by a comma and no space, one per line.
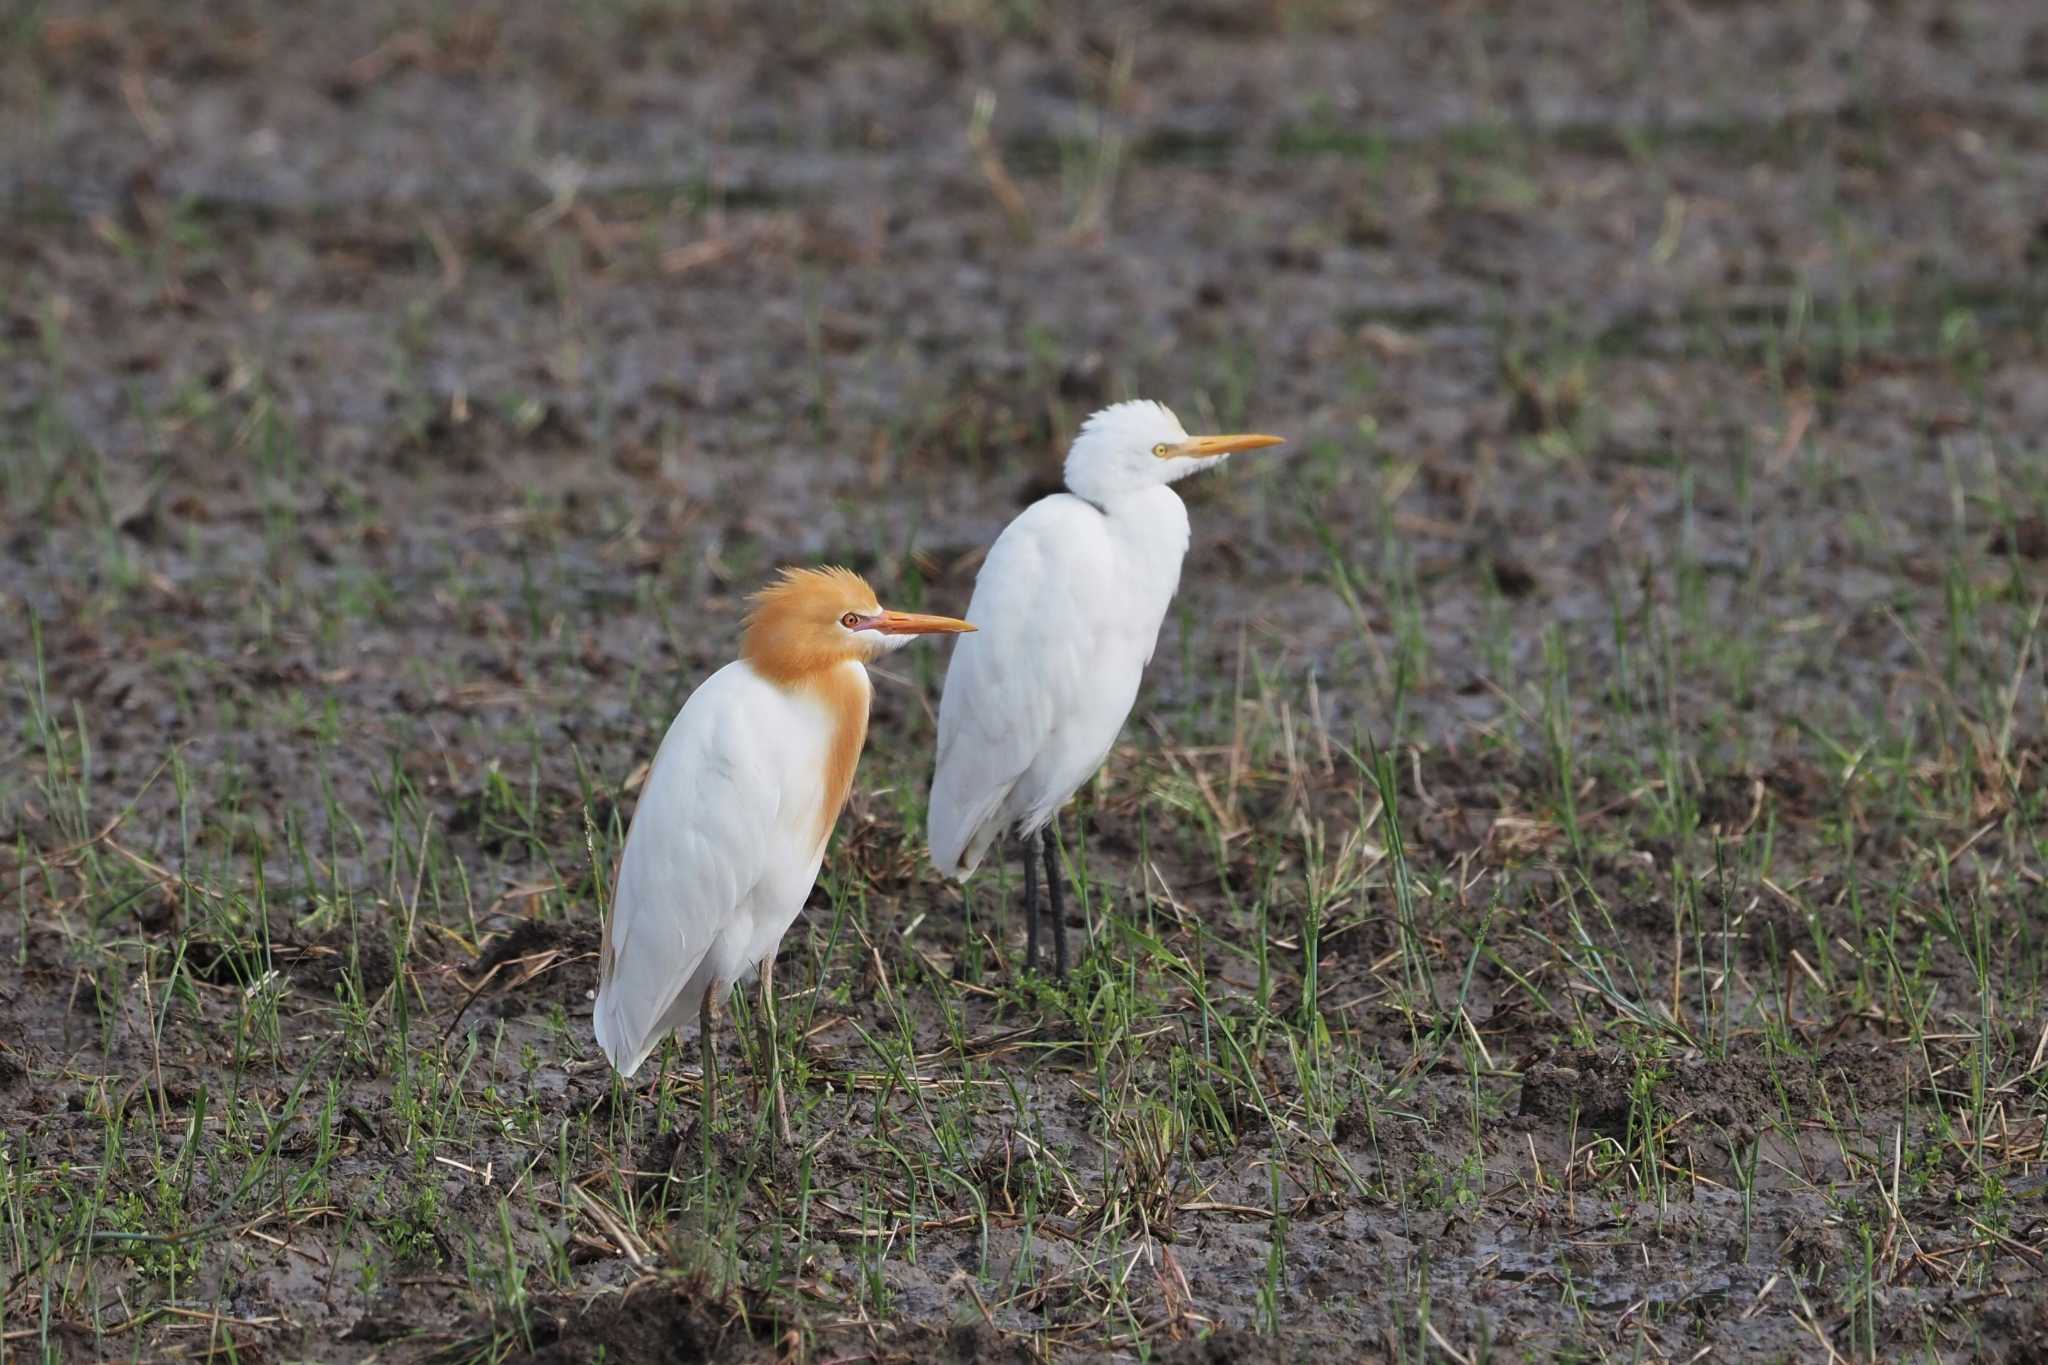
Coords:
721,855
1069,605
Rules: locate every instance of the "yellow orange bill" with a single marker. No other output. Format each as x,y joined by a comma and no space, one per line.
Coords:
1201,447
910,623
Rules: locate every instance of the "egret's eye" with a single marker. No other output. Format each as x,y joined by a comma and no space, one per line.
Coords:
850,620
1161,449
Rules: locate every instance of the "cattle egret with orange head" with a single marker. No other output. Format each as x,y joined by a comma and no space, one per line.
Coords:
1070,600
731,827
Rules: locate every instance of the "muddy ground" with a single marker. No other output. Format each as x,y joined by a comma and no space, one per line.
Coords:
1572,886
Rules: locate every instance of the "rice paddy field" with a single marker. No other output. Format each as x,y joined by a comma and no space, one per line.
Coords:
1571,887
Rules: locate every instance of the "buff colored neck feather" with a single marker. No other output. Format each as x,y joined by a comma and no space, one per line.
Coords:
794,641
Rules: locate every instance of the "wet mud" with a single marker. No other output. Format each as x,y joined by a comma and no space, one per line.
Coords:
1572,885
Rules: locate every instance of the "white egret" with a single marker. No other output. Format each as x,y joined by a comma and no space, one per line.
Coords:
732,822
1070,600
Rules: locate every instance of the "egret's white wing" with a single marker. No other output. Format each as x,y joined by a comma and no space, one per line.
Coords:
1041,688
729,811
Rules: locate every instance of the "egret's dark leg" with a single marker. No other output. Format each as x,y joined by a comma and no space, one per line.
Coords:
773,1055
967,932
1030,905
1053,898
707,1015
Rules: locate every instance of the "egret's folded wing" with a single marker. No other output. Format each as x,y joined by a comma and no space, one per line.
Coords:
1010,681
702,838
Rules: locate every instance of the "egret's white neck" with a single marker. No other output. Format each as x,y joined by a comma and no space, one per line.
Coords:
1151,525
1131,500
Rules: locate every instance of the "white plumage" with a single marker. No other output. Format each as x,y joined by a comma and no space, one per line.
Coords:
1069,603
732,822
1030,714
722,853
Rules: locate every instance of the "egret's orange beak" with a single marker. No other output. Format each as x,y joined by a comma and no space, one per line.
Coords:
1202,447
910,623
